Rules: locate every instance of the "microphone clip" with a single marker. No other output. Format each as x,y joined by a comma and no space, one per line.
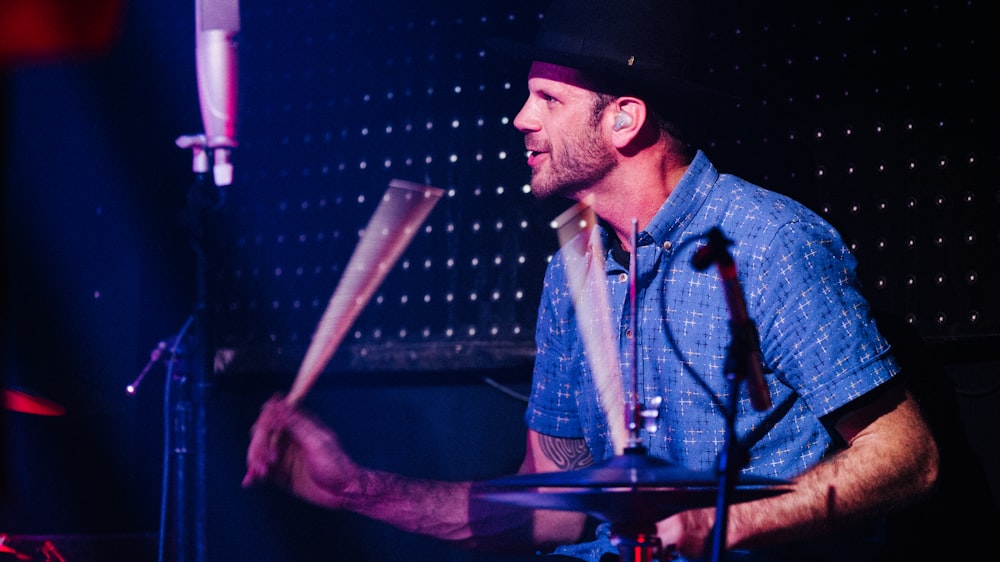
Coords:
715,251
202,154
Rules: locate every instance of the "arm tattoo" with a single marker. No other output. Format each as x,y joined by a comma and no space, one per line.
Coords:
567,454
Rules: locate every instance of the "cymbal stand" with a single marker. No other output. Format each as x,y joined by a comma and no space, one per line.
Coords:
640,416
635,407
636,540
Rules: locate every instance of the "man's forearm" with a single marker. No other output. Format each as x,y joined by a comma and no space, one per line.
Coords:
891,463
443,510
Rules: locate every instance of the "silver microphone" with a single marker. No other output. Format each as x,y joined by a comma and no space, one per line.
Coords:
217,23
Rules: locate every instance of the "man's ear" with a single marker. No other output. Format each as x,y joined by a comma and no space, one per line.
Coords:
628,117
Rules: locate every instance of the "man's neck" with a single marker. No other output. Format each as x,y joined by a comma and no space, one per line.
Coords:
638,196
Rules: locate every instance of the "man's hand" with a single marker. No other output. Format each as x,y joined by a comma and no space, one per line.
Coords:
688,532
295,451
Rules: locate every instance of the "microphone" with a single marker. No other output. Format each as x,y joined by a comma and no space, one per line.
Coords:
745,356
217,22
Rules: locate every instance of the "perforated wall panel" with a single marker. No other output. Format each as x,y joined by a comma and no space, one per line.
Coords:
874,114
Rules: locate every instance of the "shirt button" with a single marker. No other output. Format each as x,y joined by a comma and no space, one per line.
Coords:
623,276
628,334
667,245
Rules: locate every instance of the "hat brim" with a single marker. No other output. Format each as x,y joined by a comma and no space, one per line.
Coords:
649,81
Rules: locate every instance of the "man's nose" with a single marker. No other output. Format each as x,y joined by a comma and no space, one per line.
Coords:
524,121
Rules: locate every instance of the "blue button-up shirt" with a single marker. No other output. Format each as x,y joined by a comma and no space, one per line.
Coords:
818,339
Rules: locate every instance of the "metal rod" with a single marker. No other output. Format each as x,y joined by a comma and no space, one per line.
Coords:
635,407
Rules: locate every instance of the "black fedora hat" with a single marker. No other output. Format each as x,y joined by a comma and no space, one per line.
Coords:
641,47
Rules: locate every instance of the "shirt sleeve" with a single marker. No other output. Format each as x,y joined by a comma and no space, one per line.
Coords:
819,335
552,406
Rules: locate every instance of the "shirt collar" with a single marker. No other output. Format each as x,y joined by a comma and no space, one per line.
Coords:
687,198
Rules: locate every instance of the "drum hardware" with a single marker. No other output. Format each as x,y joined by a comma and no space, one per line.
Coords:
46,552
631,492
8,553
28,403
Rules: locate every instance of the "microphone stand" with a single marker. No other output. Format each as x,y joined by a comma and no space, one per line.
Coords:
742,352
204,197
217,22
185,396
728,461
177,406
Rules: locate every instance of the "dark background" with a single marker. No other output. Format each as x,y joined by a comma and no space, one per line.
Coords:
878,115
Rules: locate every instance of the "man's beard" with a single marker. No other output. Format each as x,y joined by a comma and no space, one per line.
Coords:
578,166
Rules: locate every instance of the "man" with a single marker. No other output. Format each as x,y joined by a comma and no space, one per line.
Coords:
607,106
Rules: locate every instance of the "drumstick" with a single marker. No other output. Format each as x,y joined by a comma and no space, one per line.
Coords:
402,210
583,254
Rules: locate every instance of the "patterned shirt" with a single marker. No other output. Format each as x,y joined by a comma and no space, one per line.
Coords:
819,343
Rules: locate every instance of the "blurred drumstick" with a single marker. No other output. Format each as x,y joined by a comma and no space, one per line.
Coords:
583,254
402,210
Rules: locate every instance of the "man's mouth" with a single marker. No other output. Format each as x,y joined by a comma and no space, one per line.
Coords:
534,157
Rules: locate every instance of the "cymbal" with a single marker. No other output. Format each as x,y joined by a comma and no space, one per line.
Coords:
628,488
18,401
4,549
632,469
624,505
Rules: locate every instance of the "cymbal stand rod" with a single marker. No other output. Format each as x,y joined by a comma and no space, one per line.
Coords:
635,406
